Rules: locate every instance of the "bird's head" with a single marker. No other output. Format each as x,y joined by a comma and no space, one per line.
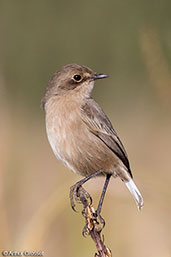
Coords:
72,79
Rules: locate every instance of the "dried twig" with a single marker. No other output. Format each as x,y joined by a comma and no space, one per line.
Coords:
94,226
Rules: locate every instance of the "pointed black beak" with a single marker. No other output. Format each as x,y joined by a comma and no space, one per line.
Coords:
99,76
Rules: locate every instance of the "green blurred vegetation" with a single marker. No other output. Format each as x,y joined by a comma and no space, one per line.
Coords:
37,37
130,41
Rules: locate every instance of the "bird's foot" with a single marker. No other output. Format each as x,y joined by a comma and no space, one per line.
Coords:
80,195
93,219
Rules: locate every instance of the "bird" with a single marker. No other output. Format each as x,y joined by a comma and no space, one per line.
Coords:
80,133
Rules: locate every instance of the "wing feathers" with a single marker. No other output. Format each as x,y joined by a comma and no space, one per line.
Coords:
100,126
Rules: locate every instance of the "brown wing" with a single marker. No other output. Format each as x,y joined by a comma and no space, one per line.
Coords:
100,126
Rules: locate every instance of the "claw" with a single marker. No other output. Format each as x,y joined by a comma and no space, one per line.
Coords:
80,195
102,221
72,193
85,232
73,207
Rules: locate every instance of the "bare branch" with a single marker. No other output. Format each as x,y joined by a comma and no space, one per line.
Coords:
94,225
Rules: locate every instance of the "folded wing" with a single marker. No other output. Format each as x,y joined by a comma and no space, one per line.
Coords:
100,126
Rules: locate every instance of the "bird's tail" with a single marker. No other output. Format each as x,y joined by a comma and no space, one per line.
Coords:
135,193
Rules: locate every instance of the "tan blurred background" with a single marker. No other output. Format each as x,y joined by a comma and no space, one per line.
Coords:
129,40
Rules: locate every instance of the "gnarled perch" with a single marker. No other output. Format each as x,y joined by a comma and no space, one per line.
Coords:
94,225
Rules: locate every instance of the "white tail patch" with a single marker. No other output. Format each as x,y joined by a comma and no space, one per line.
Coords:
135,192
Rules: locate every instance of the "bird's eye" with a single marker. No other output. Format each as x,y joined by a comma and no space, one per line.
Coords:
77,78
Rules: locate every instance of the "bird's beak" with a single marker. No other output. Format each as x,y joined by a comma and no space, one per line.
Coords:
99,76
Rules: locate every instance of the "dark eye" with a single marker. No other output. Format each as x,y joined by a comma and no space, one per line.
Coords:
77,78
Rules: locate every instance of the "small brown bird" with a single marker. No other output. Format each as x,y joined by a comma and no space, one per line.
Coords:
80,133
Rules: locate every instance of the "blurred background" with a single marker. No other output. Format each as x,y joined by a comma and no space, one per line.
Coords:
130,41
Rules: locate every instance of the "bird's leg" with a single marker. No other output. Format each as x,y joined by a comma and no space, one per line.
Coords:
77,191
98,211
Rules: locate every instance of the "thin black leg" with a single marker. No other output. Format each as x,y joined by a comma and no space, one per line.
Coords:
82,181
75,188
108,176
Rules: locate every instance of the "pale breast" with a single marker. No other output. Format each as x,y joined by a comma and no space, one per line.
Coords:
60,126
73,143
